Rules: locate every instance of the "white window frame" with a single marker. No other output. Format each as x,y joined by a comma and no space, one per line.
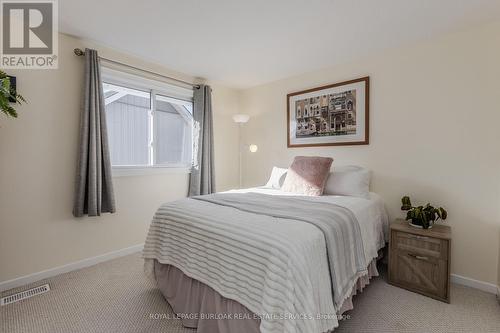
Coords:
153,87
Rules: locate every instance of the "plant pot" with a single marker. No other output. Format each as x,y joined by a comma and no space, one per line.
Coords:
419,226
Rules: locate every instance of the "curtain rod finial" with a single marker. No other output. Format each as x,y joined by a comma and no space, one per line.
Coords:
79,52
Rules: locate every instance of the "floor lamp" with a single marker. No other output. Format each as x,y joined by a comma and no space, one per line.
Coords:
241,119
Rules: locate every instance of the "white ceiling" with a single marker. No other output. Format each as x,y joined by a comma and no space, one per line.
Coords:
243,43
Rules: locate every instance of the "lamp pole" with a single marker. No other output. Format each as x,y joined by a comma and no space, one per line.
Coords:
240,162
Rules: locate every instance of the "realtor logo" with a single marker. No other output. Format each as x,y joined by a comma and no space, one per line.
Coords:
29,34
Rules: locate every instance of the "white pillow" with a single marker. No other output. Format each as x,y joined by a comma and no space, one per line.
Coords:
349,180
277,178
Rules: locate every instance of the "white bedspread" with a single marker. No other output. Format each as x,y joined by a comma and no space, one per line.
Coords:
235,253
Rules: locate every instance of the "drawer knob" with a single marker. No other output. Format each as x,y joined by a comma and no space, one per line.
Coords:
418,257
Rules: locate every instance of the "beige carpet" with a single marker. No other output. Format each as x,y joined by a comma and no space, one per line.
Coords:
116,297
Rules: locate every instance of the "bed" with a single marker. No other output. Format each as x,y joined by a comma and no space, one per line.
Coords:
264,260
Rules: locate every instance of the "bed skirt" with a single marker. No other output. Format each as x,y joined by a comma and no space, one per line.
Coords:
201,307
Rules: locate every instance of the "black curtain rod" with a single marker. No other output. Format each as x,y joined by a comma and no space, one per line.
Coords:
80,52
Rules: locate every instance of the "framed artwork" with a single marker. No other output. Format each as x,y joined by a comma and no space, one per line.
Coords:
332,115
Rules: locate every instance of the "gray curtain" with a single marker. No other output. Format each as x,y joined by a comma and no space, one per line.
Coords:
94,188
202,180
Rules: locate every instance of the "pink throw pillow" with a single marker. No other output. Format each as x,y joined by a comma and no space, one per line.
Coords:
307,175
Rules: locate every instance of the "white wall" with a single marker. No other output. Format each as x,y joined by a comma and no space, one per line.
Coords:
498,276
226,137
37,170
435,116
434,135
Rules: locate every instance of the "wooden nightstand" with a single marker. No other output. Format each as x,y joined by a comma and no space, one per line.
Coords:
419,260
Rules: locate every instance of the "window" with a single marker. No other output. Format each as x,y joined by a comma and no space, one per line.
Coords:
150,123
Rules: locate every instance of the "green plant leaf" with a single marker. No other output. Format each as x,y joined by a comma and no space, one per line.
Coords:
6,84
8,110
6,94
442,213
406,203
20,99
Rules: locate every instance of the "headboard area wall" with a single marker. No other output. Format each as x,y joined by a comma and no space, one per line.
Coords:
433,135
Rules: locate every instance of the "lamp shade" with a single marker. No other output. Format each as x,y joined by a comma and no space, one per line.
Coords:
241,118
253,148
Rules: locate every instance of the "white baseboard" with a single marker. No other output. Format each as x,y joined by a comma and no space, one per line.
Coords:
27,279
476,284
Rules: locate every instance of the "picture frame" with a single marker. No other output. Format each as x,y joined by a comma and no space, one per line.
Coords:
332,115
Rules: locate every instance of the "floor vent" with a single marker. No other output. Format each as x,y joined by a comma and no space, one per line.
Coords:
24,294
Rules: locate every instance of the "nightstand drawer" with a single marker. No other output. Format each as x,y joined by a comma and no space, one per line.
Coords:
419,260
424,274
421,245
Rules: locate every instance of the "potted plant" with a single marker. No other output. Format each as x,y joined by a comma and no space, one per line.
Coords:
422,216
8,96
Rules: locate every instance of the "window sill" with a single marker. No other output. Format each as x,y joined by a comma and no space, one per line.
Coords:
130,171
